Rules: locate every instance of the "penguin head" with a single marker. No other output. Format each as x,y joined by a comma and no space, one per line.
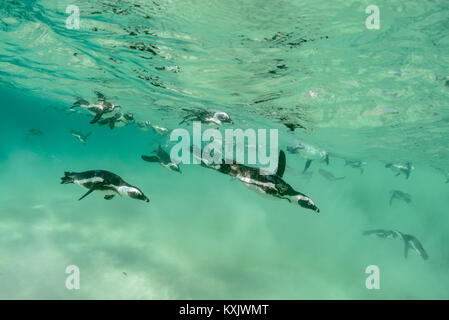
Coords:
135,193
304,202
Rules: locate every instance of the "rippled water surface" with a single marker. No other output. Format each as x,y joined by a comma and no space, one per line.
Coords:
377,96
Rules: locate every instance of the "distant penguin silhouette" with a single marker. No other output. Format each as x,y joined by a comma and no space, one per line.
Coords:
309,152
400,195
34,132
163,158
80,136
401,168
355,164
329,176
444,172
118,120
206,116
147,125
410,242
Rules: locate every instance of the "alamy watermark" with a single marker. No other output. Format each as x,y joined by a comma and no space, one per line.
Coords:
190,151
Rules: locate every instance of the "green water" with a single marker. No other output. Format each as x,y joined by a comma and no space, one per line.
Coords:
377,96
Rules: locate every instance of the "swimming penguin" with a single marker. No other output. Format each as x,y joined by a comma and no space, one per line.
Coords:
34,132
329,176
102,107
207,116
118,120
309,153
147,125
266,184
405,168
80,136
410,242
397,194
445,173
355,164
103,181
413,243
163,158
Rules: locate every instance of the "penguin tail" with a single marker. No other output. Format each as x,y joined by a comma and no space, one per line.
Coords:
68,178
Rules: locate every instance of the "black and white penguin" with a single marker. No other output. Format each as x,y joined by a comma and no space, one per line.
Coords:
401,168
266,184
400,195
309,152
118,120
410,242
206,116
163,158
80,136
105,182
98,110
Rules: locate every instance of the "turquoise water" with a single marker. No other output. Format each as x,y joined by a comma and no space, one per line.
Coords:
377,96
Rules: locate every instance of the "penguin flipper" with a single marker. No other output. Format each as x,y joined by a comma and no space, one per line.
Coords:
90,191
308,162
150,158
109,197
281,164
100,96
97,117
